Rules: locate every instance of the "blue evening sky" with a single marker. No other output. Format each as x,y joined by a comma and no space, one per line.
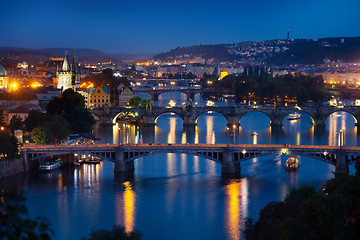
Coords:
140,26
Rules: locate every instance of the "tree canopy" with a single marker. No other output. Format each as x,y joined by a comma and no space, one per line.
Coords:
71,106
8,145
305,213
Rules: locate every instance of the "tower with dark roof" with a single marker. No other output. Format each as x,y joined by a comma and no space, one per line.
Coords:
69,75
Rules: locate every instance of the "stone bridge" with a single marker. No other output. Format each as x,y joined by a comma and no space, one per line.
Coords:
229,156
190,92
189,114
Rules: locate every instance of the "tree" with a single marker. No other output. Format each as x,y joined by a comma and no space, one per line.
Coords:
40,136
57,127
144,102
34,119
80,120
15,222
332,213
135,101
8,145
71,106
117,233
16,123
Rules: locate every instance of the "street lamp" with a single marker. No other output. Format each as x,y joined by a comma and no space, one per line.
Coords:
227,131
234,127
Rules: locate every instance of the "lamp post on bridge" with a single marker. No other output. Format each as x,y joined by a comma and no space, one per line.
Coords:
342,137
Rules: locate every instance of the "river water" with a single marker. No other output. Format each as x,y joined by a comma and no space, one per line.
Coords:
179,196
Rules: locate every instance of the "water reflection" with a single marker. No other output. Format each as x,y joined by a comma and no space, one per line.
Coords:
129,207
236,201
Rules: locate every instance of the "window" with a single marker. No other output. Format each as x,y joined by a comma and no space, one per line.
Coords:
99,91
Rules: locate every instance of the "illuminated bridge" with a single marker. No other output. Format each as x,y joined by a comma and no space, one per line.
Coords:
229,156
190,114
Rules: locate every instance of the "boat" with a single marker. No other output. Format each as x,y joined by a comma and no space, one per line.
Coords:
294,116
277,158
292,163
254,134
91,160
51,166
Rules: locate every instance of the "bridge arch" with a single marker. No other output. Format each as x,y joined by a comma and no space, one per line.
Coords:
337,110
248,113
227,118
300,112
168,111
214,158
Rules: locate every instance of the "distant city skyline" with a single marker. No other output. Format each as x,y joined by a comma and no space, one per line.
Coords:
158,26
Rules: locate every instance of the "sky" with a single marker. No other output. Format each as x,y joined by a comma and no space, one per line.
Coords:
139,26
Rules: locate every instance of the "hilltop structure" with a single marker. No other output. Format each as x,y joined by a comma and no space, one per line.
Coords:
69,75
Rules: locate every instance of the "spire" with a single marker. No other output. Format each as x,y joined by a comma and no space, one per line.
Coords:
65,67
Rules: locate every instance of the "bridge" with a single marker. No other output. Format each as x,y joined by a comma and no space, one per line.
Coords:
190,114
190,92
229,156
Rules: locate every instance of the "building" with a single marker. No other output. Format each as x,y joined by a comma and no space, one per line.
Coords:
98,97
21,111
68,76
4,78
46,94
223,73
125,96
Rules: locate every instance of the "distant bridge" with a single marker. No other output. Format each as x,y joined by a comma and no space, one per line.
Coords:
190,92
190,114
229,156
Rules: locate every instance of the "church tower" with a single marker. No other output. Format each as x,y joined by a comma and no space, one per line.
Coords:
64,76
69,76
75,71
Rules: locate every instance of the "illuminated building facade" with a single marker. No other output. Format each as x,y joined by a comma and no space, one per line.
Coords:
4,78
99,97
125,96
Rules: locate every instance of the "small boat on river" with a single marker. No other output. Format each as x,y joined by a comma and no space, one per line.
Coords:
292,163
51,166
294,116
277,158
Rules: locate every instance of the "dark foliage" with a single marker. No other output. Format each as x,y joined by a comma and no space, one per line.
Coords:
8,145
15,222
117,233
71,106
16,123
34,119
332,213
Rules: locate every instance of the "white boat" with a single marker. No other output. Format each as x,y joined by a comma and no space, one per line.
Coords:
294,116
51,166
277,158
292,163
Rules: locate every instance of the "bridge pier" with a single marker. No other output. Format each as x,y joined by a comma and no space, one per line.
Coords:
341,164
276,122
229,166
120,165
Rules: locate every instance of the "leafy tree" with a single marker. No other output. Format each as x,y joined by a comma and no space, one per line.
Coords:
40,136
15,222
71,106
144,102
80,120
65,103
34,119
135,101
8,145
57,127
16,123
332,213
117,233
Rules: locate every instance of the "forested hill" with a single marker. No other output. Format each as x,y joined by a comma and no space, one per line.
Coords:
279,52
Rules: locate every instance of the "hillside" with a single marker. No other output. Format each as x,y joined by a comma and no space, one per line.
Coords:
278,52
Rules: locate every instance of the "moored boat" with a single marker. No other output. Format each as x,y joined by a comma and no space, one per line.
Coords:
292,163
51,166
294,116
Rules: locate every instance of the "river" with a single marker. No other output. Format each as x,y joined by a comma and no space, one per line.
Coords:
179,196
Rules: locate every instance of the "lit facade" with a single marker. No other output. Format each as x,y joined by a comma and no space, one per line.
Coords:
98,97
